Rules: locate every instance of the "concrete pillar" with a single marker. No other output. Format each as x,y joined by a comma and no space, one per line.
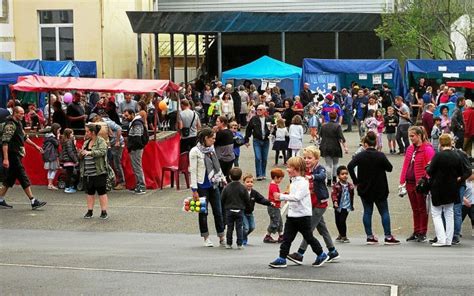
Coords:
283,47
157,57
219,55
336,44
382,49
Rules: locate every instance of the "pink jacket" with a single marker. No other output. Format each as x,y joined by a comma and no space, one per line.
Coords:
423,156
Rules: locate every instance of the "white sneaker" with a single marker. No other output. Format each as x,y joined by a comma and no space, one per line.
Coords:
228,246
438,244
208,243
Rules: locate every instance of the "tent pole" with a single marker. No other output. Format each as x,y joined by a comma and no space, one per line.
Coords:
219,55
139,63
185,46
336,44
172,56
283,47
157,57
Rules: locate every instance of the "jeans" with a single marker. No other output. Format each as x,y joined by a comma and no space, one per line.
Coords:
214,199
331,166
260,148
317,222
341,218
136,158
458,213
276,224
116,153
236,161
402,134
443,236
234,220
248,225
382,207
303,226
360,127
348,119
418,207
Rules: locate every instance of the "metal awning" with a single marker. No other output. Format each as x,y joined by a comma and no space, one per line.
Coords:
250,22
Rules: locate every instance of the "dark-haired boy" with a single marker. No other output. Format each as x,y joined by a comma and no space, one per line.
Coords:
235,200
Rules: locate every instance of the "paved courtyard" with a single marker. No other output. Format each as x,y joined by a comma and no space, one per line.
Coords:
149,246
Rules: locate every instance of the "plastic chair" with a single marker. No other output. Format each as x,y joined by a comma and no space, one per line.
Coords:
183,167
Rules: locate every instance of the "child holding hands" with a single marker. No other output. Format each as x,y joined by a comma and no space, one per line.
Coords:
276,224
343,202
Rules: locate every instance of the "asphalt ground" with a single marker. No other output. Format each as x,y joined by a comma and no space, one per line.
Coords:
149,246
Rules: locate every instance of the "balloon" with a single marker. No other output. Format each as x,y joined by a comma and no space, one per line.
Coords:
67,98
162,105
198,203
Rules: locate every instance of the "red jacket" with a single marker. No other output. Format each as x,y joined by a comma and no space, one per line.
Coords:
423,156
468,116
337,191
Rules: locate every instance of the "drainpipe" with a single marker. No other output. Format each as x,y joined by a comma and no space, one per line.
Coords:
101,2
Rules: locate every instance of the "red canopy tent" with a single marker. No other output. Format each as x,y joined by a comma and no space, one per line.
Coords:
465,84
37,83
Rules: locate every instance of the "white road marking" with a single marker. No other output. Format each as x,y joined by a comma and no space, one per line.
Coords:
393,288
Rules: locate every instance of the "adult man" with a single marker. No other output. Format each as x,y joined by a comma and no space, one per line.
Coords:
360,104
372,186
127,104
427,119
347,109
468,116
452,95
457,122
218,89
135,146
387,96
403,124
420,90
306,95
331,106
258,128
337,95
189,125
76,113
13,150
49,107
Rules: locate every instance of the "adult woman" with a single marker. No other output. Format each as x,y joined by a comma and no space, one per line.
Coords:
417,156
94,170
288,112
373,104
59,116
143,112
206,175
224,144
112,112
445,120
445,171
331,141
206,100
226,106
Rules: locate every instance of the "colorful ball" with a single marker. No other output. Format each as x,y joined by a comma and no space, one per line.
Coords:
191,209
198,203
203,210
163,106
197,209
67,98
192,202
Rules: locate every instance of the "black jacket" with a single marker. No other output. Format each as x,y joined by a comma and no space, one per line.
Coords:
306,97
135,135
235,196
444,169
68,152
256,197
371,178
254,128
331,137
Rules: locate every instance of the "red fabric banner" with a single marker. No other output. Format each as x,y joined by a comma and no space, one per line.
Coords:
155,156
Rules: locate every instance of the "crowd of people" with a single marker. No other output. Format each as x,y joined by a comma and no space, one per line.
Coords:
210,118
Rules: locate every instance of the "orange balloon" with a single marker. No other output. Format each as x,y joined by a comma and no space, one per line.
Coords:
162,105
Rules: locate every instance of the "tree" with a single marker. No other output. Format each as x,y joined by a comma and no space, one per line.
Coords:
427,25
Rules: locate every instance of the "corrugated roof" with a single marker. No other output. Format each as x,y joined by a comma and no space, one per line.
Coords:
250,22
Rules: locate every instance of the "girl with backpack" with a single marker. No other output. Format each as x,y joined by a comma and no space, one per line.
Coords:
51,153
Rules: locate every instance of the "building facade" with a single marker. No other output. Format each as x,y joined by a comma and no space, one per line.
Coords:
7,39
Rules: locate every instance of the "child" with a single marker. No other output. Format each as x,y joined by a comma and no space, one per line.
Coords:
371,122
298,106
213,111
238,141
391,123
296,135
69,158
276,224
313,124
316,176
251,110
281,143
255,197
380,126
436,133
51,153
299,215
235,200
343,202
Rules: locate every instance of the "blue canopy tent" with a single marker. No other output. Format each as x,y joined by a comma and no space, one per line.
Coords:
321,74
439,71
266,68
9,73
87,68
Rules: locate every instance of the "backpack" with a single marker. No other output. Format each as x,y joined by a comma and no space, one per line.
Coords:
466,164
110,182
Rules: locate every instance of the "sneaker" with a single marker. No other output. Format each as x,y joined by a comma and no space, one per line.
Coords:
422,238
413,237
228,246
296,258
345,240
455,241
244,242
4,205
37,204
139,191
259,178
208,243
52,187
391,241
278,263
119,187
372,241
280,239
88,215
269,239
438,245
434,240
104,216
320,260
333,256
70,190
240,247
222,243
339,239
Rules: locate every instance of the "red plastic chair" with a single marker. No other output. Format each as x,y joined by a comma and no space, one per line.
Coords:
183,168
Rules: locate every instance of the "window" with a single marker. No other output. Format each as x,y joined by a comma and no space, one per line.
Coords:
56,35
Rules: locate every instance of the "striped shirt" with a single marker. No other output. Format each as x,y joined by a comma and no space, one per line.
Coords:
89,166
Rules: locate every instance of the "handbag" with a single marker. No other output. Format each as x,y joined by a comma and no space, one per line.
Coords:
424,185
185,131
